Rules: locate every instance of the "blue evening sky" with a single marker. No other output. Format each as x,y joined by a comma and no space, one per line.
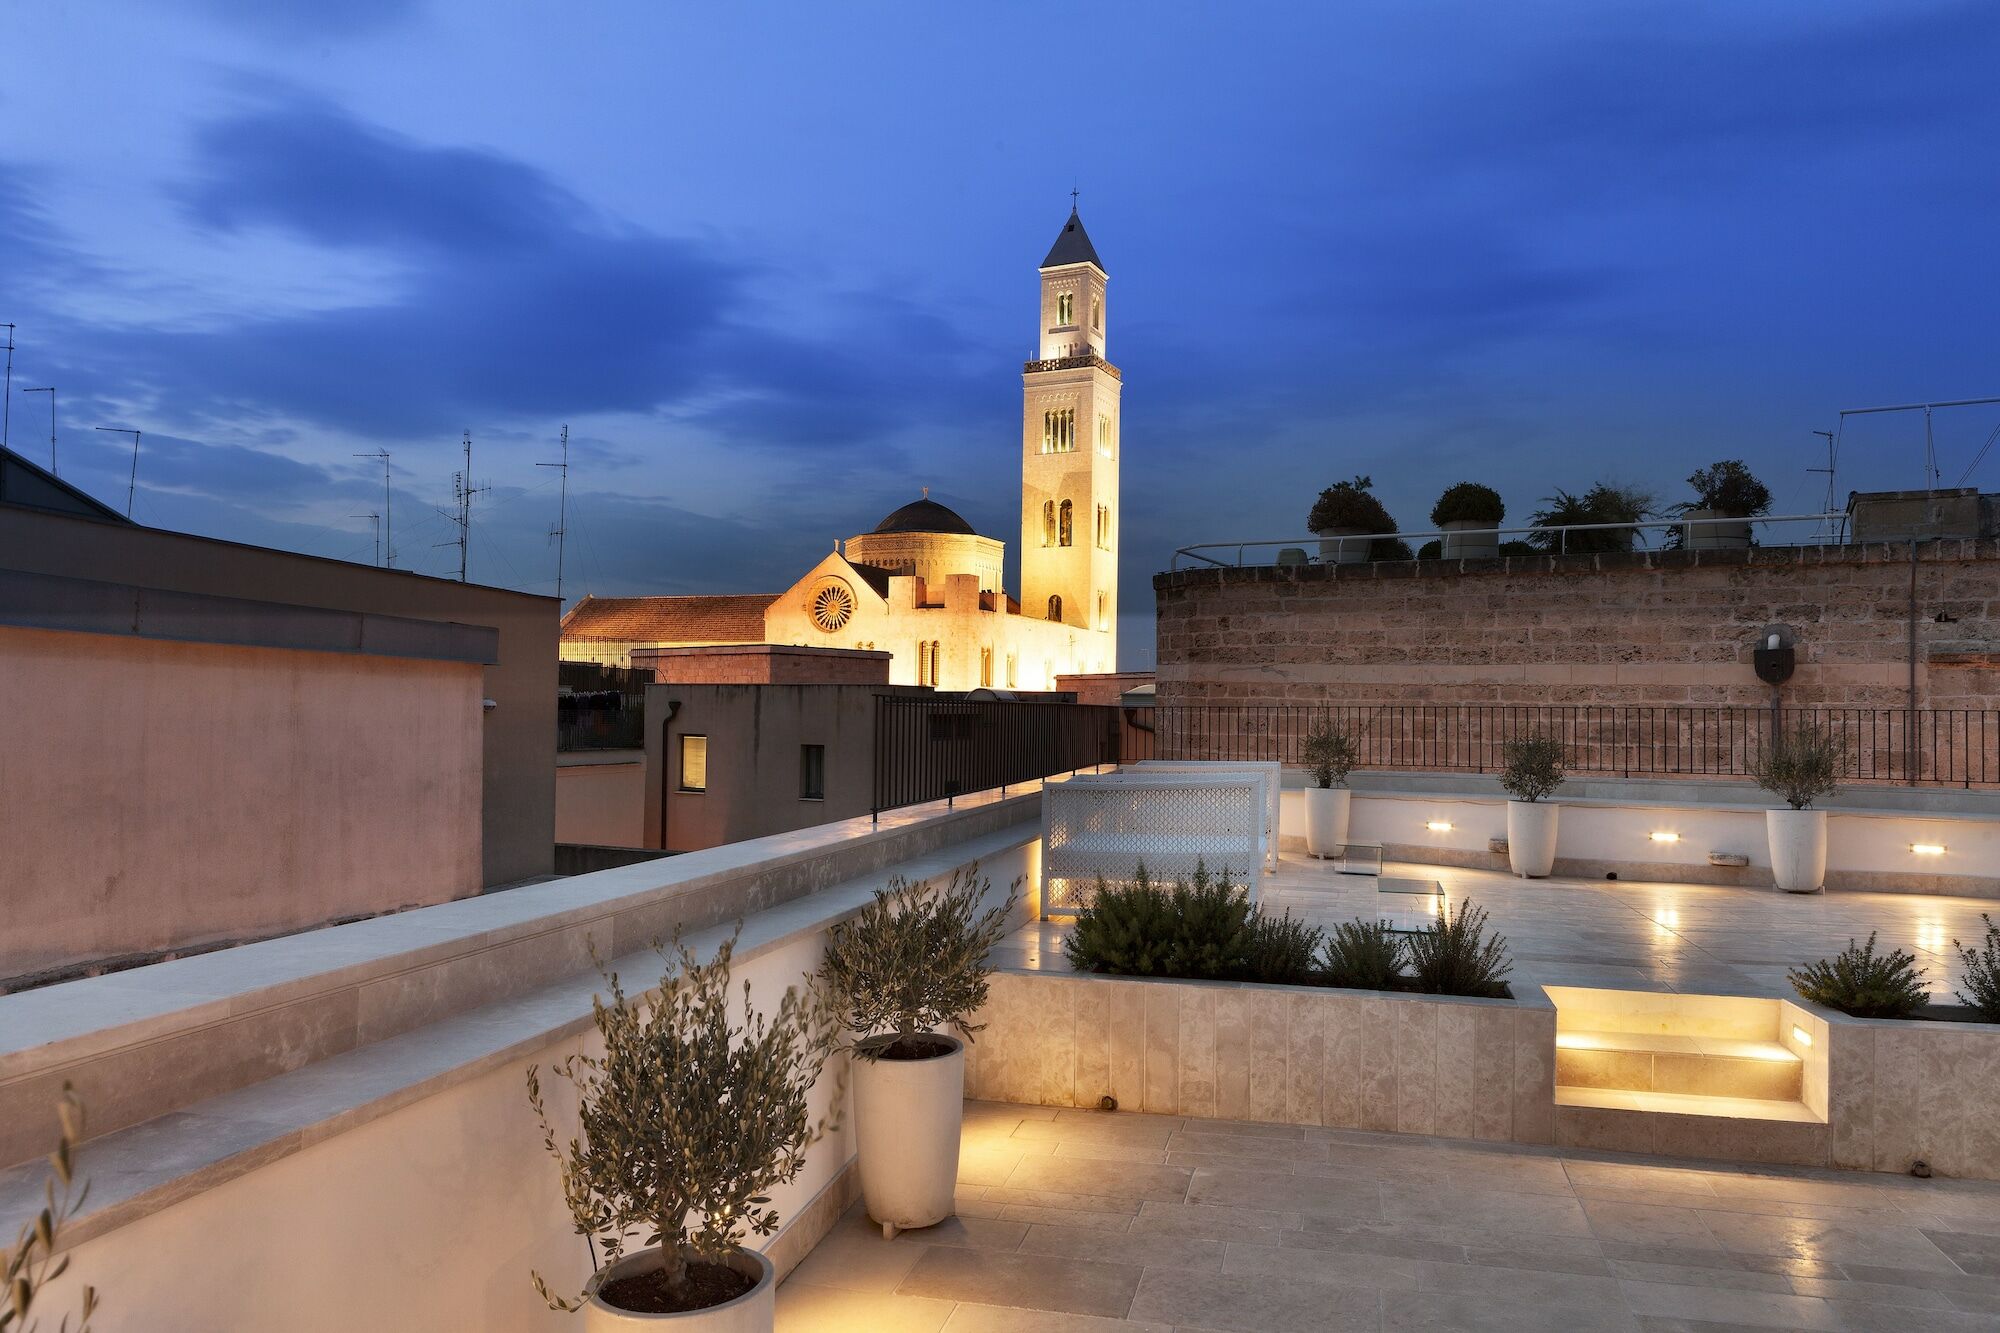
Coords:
774,264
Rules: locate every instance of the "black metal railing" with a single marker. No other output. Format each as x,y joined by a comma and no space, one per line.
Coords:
1941,747
938,749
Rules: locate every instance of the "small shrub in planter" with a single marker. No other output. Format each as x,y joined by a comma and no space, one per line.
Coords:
1283,951
913,962
32,1263
1729,488
1453,956
1348,504
910,965
1469,502
1214,927
1802,766
1602,503
1519,547
1364,955
1863,983
1431,550
1535,766
688,1120
1982,974
1126,929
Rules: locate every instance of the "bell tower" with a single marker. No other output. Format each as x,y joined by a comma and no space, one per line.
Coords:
1070,444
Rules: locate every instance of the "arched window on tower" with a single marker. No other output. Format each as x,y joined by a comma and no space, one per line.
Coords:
1103,621
1048,522
1104,527
1063,525
1097,313
1055,608
1065,308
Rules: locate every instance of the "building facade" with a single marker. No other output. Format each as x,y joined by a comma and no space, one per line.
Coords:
923,585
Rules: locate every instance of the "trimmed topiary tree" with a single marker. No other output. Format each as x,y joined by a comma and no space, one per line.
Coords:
1469,502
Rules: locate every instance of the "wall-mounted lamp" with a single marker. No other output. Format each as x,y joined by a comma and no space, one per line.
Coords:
488,705
1438,825
1664,837
1801,1036
1927,849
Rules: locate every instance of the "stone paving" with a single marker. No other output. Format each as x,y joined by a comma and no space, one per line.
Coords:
1628,934
1096,1222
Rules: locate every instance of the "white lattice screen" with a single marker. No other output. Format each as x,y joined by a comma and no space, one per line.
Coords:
1105,826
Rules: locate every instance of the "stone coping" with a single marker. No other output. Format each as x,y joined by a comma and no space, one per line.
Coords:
140,1170
1537,996
146,1042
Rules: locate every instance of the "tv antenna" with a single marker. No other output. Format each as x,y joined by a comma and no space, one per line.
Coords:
388,551
132,483
559,534
463,490
50,390
1930,444
376,521
7,398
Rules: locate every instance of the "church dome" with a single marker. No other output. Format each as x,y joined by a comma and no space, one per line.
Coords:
925,515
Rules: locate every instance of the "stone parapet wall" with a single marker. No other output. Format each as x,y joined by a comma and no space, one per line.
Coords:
1646,628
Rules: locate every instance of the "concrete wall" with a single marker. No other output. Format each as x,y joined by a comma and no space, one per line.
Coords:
601,798
518,748
763,664
156,795
754,736
1645,628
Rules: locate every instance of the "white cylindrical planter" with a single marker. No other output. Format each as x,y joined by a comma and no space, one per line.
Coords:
1531,838
1469,539
907,1116
1798,849
755,1311
1731,535
1352,551
1326,820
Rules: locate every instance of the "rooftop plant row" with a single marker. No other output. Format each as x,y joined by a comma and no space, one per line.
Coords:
1723,489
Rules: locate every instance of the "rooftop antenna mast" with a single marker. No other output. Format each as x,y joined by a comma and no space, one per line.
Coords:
132,483
50,390
463,490
1930,445
388,551
1826,507
7,398
376,521
560,532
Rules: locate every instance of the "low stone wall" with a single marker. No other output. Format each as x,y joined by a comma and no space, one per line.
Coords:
1900,1092
1412,1064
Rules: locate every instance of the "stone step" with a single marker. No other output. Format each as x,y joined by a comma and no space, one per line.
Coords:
1681,1103
1678,1065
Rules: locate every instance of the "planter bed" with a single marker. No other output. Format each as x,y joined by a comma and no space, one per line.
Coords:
1306,1055
1924,1089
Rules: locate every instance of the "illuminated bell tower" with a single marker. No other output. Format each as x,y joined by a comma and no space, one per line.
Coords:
1070,444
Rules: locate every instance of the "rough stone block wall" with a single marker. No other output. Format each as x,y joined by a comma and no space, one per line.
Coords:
1652,628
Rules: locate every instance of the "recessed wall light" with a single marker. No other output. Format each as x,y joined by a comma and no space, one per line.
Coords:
1927,849
1664,837
1801,1036
1438,825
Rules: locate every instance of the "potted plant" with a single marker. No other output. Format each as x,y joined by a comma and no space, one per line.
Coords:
910,964
688,1121
1468,515
1330,754
1727,497
1801,765
1343,516
1601,504
1535,768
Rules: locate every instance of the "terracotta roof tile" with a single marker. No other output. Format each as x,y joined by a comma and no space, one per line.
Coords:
725,618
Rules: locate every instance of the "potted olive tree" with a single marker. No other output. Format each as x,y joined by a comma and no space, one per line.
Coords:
911,964
1727,497
1330,754
1801,765
1469,515
688,1121
1536,766
1346,518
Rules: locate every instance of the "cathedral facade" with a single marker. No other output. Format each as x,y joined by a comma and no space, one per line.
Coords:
922,585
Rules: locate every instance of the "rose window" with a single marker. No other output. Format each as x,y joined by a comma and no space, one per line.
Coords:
832,606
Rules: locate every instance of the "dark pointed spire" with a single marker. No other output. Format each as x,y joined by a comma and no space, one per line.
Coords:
1072,243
